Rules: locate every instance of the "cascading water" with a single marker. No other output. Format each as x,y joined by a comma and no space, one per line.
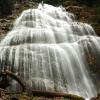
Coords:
47,48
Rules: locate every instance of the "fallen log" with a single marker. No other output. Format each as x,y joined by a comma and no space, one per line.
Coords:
4,83
56,94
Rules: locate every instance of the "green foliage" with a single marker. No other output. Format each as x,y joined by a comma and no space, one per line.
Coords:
6,7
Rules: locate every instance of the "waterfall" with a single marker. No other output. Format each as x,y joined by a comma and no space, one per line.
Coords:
47,48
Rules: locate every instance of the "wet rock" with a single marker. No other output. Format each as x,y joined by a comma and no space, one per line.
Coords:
11,17
3,20
3,95
67,3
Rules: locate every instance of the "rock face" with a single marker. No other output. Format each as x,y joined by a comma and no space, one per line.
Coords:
6,25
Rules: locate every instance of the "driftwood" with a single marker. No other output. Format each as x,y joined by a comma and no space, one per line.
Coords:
4,82
55,94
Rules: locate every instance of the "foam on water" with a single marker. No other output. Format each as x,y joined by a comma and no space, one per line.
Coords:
47,48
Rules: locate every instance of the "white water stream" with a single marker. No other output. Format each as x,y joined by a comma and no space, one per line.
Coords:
47,47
